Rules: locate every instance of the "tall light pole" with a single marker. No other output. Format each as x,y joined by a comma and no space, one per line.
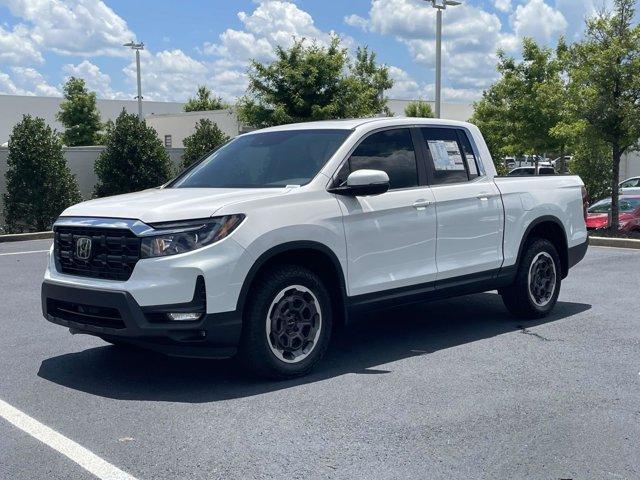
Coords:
440,6
137,47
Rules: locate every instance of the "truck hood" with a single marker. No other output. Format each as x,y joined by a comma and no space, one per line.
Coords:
169,204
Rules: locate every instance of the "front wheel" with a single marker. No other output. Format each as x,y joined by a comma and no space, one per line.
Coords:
537,285
287,323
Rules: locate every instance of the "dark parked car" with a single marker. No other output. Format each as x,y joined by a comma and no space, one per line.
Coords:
525,171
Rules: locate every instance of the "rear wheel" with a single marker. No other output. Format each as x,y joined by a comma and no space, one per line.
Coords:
537,285
287,323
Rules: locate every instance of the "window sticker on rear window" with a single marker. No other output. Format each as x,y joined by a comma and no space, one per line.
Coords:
446,155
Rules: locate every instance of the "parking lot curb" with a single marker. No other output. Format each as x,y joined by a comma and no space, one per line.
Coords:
614,242
19,237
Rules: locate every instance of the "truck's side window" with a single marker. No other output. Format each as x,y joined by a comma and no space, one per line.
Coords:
450,160
390,151
472,161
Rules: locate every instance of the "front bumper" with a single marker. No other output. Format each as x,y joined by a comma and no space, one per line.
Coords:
112,314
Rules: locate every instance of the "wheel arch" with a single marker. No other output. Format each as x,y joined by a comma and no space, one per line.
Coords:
550,228
310,254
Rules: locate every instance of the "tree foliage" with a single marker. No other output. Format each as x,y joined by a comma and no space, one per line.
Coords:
134,158
593,163
204,100
418,108
79,114
313,82
604,85
518,113
207,137
39,183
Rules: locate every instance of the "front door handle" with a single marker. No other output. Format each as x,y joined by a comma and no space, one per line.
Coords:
421,204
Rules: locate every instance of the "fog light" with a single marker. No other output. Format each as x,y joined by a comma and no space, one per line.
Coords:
184,317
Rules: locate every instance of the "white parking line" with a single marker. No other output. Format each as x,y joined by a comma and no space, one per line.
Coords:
22,253
83,457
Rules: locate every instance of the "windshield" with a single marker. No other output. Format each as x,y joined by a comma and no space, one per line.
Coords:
270,159
626,205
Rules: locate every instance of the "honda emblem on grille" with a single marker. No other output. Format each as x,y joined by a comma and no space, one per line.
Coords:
83,248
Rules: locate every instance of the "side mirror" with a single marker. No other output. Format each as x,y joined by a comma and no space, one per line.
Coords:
363,183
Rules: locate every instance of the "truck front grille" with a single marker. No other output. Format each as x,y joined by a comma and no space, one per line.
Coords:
112,253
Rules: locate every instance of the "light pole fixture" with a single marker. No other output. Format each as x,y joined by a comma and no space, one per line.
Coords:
137,47
440,6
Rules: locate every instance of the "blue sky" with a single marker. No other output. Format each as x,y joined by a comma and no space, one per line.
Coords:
192,42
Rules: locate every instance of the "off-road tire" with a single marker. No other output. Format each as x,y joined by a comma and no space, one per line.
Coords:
519,298
255,346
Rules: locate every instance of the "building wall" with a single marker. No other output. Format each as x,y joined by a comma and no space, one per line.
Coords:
81,161
12,107
630,165
181,125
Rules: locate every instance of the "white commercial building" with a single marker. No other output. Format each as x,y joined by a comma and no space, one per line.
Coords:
12,107
172,128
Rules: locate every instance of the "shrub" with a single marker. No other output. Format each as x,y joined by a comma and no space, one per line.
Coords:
134,158
206,138
79,114
418,109
39,183
204,100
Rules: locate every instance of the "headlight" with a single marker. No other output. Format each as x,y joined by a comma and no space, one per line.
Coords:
181,237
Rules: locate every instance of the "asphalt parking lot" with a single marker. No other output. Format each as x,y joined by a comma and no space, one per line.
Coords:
453,389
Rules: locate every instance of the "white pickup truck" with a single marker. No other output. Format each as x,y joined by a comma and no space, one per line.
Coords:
261,248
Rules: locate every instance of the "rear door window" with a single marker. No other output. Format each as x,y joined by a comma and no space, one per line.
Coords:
450,160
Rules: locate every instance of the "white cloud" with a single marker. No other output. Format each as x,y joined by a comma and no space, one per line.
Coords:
280,22
471,37
273,23
539,21
356,21
34,82
73,27
7,86
502,5
26,81
95,79
17,47
404,86
168,75
237,44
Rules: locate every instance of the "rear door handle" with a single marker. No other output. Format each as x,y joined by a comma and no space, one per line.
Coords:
421,204
484,196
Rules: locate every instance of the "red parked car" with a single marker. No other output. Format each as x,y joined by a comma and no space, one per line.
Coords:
598,214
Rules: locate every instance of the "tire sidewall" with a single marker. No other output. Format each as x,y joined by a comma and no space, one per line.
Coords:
267,289
536,247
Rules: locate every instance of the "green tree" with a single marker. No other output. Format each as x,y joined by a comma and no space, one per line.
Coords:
418,108
604,85
79,114
207,137
313,82
593,163
203,101
39,183
518,113
134,158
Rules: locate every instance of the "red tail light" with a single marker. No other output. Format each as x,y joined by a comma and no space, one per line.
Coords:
585,202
